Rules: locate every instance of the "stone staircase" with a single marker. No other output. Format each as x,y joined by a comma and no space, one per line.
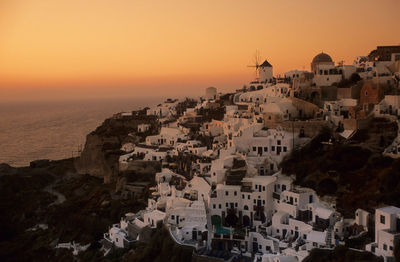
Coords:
329,236
276,247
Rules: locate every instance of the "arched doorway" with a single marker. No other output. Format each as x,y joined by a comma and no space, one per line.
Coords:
231,218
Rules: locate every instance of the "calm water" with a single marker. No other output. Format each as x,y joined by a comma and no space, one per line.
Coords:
53,130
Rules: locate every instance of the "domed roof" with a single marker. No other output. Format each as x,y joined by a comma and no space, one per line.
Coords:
321,58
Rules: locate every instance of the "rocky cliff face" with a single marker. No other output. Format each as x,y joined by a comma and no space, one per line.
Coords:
102,149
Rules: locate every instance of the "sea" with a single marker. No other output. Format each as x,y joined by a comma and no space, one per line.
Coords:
55,129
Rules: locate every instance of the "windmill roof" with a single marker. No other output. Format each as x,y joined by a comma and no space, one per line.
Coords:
266,64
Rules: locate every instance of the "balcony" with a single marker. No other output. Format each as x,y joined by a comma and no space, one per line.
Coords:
246,189
276,195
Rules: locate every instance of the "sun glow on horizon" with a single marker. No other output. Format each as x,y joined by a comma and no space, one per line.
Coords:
168,47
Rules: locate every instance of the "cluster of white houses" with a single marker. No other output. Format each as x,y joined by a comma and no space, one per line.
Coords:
236,198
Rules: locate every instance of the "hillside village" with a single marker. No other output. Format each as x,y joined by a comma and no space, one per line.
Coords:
222,188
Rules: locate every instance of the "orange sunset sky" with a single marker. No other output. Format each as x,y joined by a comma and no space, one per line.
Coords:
55,49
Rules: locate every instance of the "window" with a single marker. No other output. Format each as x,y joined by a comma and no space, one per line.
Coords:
256,186
254,201
235,193
277,231
214,206
248,196
272,148
382,219
384,247
279,142
263,188
172,217
242,196
219,206
236,204
226,193
246,208
265,149
254,148
263,202
391,247
226,204
284,149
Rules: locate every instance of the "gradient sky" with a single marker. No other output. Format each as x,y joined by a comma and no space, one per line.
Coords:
52,49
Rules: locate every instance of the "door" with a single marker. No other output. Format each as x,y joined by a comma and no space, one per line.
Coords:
260,151
255,247
284,233
194,234
261,172
278,150
398,225
246,221
177,220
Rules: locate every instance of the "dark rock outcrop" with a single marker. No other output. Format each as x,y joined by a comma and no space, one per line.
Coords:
102,149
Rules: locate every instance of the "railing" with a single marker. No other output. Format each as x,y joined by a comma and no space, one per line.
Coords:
276,195
246,189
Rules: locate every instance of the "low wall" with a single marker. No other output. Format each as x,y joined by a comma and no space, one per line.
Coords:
311,127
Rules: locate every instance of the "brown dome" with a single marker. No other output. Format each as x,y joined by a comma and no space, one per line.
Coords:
322,58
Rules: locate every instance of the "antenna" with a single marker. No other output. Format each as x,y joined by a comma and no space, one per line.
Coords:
257,63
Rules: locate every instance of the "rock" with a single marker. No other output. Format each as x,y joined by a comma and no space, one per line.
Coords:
105,203
121,182
40,163
102,148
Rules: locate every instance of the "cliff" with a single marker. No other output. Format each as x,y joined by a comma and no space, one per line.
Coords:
48,203
354,171
100,155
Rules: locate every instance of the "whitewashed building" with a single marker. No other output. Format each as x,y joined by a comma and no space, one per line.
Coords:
387,231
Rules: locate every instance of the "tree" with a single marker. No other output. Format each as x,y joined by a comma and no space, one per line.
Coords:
354,78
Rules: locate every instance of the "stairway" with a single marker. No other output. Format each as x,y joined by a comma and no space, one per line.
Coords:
329,236
276,247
